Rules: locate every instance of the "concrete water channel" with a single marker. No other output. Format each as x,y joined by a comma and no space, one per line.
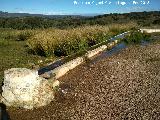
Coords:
60,67
104,54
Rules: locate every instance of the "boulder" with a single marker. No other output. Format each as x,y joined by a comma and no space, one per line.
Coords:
24,88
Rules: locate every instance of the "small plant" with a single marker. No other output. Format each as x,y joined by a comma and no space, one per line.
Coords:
136,37
147,36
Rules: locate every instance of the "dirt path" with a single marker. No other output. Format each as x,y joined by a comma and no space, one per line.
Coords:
123,86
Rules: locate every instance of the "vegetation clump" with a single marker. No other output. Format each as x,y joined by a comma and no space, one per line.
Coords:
69,41
136,37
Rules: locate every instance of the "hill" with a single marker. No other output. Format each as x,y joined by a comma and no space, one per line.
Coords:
33,21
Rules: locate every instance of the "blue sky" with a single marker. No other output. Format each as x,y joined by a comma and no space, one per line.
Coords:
78,6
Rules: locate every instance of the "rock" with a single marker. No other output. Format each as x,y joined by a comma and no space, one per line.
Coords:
24,88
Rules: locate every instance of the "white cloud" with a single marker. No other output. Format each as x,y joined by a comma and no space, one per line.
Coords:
21,12
123,3
56,13
138,9
75,2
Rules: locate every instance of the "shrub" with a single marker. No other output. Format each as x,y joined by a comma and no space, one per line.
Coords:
19,35
136,37
70,47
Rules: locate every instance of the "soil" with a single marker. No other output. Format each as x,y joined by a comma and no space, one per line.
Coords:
125,86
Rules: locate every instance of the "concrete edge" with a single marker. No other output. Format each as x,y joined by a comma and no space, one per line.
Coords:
150,30
63,69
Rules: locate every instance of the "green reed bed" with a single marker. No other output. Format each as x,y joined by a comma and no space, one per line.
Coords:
67,42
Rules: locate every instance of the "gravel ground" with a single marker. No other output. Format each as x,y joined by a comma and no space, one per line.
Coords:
123,86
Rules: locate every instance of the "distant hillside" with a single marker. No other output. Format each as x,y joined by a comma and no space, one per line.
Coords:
33,21
147,17
7,15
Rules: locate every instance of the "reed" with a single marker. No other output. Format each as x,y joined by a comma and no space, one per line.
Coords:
66,42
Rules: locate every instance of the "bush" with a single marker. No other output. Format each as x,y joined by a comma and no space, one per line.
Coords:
70,47
136,37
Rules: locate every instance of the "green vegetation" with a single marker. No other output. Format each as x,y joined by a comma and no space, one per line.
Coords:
136,37
67,42
24,21
24,35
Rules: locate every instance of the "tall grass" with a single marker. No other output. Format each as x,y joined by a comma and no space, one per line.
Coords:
67,42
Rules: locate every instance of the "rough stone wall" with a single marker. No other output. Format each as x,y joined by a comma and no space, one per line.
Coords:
25,88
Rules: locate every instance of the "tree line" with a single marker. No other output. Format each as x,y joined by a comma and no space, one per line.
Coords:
34,22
